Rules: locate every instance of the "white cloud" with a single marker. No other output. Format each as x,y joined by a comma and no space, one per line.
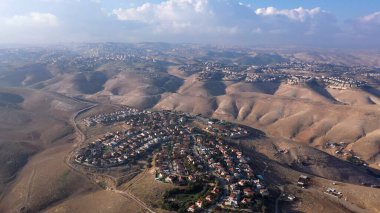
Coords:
226,20
364,31
167,11
32,19
297,14
199,21
176,15
371,18
33,27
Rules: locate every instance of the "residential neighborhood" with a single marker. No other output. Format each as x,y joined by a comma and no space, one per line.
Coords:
293,73
186,150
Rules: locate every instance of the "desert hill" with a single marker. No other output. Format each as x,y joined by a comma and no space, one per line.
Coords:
26,75
306,159
258,87
309,114
193,87
43,182
31,121
38,101
353,57
355,97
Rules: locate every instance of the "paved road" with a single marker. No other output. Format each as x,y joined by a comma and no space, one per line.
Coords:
82,138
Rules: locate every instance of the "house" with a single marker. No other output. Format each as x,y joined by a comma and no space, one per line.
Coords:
246,200
291,197
228,203
215,191
243,182
250,175
334,192
159,175
169,179
264,192
199,203
259,186
303,181
248,192
192,208
232,200
209,198
228,178
191,178
233,187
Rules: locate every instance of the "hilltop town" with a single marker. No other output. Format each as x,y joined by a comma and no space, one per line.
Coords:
293,73
187,150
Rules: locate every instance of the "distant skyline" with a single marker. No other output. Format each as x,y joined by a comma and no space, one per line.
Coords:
267,23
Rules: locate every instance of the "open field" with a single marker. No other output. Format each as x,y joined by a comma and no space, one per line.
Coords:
146,188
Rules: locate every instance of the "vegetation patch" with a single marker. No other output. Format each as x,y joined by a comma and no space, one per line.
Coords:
179,199
63,177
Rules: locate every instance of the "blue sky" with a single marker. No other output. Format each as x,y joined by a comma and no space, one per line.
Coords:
277,23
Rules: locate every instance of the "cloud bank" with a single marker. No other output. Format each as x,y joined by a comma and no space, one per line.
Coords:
32,19
297,14
228,21
198,21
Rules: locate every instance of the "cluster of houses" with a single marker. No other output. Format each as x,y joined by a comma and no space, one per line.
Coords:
332,76
245,76
341,83
341,151
330,82
216,71
149,130
186,153
298,79
334,192
195,157
338,147
231,131
303,181
87,58
170,161
109,118
233,171
233,76
264,77
119,148
191,68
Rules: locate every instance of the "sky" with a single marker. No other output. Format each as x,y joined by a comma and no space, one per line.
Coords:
265,23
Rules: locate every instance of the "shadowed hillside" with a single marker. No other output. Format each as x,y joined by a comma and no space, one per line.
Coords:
89,83
261,59
26,76
30,122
